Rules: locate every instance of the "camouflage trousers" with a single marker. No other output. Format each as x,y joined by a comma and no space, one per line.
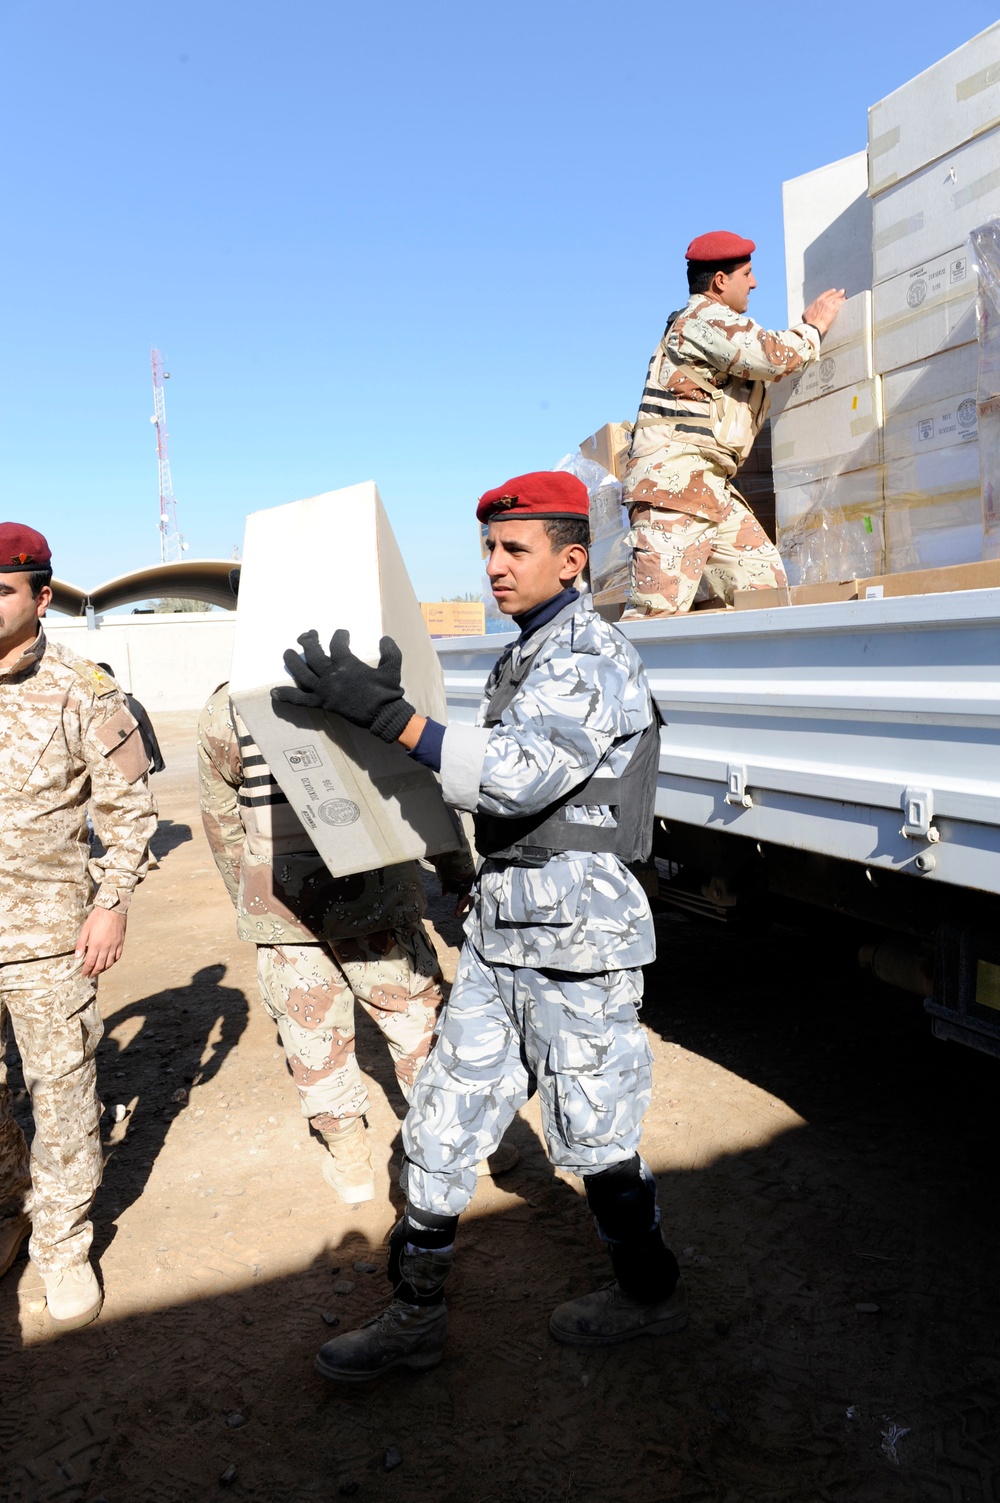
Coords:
506,1033
57,1027
310,992
679,556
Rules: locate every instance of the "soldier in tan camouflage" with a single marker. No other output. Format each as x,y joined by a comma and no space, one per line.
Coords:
704,402
322,943
67,740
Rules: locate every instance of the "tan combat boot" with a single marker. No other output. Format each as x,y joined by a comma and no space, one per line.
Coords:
608,1316
12,1234
348,1163
73,1296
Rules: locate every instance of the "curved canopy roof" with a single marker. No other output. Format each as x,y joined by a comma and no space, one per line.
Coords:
198,579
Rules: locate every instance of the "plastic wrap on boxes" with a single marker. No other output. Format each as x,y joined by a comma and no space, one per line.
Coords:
984,244
989,459
934,534
831,528
606,514
610,558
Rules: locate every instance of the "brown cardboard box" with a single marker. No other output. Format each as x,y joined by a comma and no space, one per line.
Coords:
454,618
609,447
817,594
980,576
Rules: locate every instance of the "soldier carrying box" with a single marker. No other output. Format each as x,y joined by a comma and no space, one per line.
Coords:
704,402
560,774
67,739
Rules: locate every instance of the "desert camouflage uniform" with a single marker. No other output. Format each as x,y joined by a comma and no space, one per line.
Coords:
690,525
67,739
322,942
549,980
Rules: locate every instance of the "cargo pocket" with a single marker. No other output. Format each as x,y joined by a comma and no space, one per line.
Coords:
551,894
598,1080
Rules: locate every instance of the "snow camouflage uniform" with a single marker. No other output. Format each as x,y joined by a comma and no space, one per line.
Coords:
704,402
322,943
549,980
67,739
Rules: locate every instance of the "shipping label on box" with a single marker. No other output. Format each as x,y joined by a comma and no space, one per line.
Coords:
925,310
932,404
454,618
364,804
920,218
830,435
951,102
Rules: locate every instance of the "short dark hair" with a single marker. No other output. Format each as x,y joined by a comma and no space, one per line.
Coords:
107,668
700,273
37,580
563,532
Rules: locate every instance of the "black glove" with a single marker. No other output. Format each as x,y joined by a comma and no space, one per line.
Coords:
342,683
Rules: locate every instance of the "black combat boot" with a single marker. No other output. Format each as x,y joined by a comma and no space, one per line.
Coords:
411,1331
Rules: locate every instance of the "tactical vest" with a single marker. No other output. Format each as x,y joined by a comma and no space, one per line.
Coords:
535,839
735,415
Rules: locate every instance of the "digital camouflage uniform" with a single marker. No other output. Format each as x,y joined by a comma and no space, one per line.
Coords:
322,942
549,981
67,739
704,402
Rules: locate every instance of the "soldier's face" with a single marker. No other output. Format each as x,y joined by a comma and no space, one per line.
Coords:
737,287
523,569
19,611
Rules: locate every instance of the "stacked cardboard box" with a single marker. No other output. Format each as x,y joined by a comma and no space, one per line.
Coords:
933,151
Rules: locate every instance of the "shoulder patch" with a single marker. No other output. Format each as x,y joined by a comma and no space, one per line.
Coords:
96,680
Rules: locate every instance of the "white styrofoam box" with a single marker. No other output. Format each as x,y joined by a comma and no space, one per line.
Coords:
830,435
948,104
845,358
989,458
363,803
931,404
828,231
920,218
831,528
927,309
934,512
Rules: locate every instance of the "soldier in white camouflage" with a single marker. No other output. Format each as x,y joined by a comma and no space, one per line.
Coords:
560,775
693,536
322,943
67,740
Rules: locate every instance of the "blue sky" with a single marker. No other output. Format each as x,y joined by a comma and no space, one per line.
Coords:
430,245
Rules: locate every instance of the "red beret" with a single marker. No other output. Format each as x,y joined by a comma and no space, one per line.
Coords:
22,549
720,245
541,495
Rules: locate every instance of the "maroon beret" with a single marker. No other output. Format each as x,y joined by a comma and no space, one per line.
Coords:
22,549
720,245
543,494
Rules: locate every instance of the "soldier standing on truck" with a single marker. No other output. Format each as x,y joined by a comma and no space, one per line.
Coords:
323,943
704,402
67,740
560,774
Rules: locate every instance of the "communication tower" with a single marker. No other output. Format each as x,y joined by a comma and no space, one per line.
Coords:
172,544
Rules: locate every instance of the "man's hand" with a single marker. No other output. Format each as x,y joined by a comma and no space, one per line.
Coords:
824,309
341,683
101,940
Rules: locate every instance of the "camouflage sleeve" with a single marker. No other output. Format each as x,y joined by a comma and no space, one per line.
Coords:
735,344
573,706
220,775
120,801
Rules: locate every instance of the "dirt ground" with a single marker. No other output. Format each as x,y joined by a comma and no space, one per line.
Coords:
827,1177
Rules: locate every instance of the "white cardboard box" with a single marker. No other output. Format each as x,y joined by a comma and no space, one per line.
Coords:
936,208
933,508
931,405
329,562
828,232
830,435
845,358
948,104
989,453
925,310
832,528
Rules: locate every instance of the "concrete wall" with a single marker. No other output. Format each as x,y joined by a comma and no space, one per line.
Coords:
169,661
